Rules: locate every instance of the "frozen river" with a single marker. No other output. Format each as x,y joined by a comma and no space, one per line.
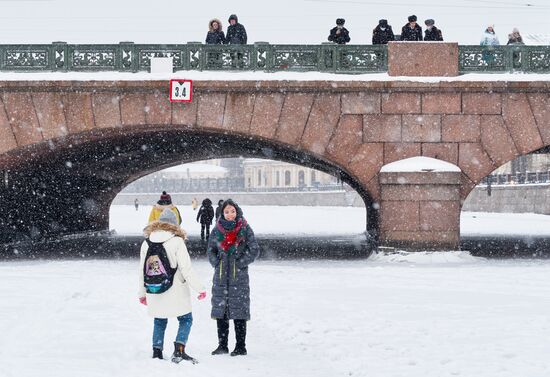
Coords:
426,315
332,221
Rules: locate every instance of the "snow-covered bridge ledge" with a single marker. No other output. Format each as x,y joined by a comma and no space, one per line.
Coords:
68,147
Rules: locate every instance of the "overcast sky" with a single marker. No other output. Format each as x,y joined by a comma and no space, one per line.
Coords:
280,21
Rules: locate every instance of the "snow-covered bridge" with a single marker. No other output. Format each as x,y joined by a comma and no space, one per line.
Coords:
68,147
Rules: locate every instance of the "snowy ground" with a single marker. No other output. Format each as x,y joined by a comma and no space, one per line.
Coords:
332,220
408,316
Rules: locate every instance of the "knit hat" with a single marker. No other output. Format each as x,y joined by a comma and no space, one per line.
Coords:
233,17
340,21
168,216
412,18
429,22
383,23
165,199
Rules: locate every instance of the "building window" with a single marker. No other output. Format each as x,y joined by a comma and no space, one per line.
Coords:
313,177
259,177
287,178
277,179
301,178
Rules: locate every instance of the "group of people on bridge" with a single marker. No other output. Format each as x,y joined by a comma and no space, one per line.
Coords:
166,274
382,33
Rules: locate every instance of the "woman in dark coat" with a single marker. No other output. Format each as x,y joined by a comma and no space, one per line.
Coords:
219,209
205,216
215,35
231,248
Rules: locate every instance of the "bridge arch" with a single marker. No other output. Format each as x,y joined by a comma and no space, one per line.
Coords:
67,185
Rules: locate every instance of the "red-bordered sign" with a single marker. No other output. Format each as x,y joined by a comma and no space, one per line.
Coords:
181,90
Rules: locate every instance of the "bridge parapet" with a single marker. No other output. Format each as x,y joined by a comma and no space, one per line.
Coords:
261,56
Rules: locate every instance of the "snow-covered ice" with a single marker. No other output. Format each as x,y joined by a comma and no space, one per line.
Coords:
302,220
419,164
374,318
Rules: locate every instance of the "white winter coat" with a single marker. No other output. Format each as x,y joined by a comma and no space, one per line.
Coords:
489,39
176,301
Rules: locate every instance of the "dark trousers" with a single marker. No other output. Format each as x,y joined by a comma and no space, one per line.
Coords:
203,227
240,332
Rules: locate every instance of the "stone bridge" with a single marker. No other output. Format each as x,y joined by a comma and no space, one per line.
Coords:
68,147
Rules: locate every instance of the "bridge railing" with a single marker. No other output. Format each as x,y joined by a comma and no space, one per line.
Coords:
261,56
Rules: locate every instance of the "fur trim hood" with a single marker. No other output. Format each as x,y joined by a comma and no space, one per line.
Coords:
211,29
157,225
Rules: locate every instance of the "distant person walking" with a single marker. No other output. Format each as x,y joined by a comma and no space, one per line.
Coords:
166,275
489,37
231,248
515,38
215,35
204,217
194,204
432,33
339,34
236,32
382,33
165,202
136,203
411,31
219,209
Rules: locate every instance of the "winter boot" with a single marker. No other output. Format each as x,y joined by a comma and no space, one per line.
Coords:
179,354
240,334
157,353
221,350
223,335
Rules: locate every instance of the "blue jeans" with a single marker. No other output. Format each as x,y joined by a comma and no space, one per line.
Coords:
185,322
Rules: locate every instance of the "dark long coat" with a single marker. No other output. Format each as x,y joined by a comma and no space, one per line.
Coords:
408,34
341,38
230,286
206,213
382,37
215,37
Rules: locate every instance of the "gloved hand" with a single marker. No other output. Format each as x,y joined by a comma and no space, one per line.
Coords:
201,296
143,300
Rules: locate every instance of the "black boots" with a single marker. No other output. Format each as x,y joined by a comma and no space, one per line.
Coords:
223,334
179,354
221,350
157,353
240,334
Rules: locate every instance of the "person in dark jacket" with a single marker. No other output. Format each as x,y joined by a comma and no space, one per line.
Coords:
382,33
432,33
232,247
205,216
411,31
515,38
215,35
339,34
236,33
219,209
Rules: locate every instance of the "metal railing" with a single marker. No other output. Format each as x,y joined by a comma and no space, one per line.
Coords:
260,56
517,179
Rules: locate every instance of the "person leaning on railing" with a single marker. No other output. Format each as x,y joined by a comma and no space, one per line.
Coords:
411,31
382,33
339,34
236,32
215,35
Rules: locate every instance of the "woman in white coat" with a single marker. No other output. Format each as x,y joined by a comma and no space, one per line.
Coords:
176,300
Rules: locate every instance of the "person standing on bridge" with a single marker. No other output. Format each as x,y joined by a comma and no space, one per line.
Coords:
166,274
236,32
165,202
411,31
231,248
215,35
432,33
205,216
382,33
339,34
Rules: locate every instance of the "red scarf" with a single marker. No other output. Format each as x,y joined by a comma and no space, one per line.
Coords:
230,237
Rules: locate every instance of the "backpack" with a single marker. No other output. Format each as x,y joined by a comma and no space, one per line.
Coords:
158,276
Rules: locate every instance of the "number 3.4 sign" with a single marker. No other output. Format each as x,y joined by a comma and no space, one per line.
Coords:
181,90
